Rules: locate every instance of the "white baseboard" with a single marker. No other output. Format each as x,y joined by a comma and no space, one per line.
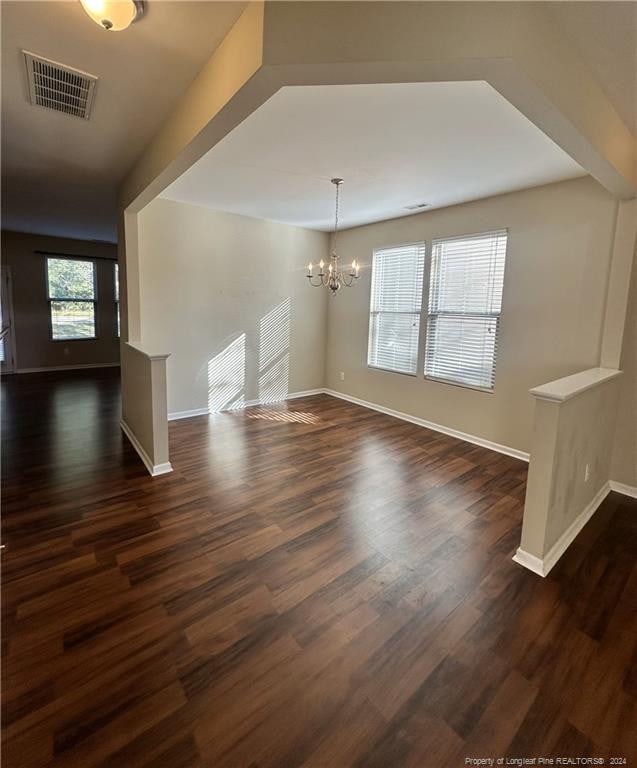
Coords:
306,393
66,367
626,490
508,451
542,566
176,415
154,469
529,561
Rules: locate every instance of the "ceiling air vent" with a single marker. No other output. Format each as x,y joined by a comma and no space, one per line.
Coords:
58,87
416,206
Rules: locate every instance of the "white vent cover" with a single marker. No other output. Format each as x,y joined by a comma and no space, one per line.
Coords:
56,86
416,206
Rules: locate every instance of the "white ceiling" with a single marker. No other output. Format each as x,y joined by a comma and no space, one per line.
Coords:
60,173
394,144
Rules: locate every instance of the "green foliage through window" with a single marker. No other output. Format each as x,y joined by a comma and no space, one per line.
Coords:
73,319
71,279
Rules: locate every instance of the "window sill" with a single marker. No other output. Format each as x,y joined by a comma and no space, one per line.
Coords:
391,370
75,338
474,387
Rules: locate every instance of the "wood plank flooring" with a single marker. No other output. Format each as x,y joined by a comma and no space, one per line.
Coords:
315,584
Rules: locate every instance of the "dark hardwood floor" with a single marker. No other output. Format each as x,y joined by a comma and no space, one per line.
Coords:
315,584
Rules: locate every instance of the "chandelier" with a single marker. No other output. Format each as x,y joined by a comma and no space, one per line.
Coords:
334,278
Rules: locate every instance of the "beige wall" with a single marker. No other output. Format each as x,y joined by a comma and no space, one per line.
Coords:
143,419
557,267
34,346
137,410
624,467
227,297
584,436
569,436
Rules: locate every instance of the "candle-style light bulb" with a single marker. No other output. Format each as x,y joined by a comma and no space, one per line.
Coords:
330,268
321,264
309,269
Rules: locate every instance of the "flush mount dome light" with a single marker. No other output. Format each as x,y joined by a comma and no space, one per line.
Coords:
113,15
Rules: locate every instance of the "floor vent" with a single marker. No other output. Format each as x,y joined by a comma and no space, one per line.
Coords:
58,87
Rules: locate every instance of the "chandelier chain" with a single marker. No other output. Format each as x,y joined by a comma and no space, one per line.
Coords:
338,189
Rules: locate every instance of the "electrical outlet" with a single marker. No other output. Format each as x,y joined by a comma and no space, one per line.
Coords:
587,473
341,375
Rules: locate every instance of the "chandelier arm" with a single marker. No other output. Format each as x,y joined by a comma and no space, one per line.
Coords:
348,280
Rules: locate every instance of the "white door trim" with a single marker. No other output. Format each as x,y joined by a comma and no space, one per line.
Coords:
12,364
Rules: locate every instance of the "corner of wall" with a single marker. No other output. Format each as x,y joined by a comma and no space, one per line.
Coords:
624,459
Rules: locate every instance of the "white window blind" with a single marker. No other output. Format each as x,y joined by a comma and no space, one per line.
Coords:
395,307
465,297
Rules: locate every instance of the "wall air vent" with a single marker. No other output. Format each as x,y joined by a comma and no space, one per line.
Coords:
416,206
56,86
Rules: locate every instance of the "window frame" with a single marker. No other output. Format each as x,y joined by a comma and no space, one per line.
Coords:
118,329
425,314
370,313
50,300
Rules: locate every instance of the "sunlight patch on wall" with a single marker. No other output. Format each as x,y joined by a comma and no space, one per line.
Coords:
226,377
274,353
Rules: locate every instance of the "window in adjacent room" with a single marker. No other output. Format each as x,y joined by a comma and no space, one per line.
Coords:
116,292
465,297
71,295
395,307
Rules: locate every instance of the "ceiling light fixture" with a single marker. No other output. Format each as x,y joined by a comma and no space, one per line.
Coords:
113,15
333,278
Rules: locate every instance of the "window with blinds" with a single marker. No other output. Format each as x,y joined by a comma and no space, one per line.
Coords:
395,307
465,297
